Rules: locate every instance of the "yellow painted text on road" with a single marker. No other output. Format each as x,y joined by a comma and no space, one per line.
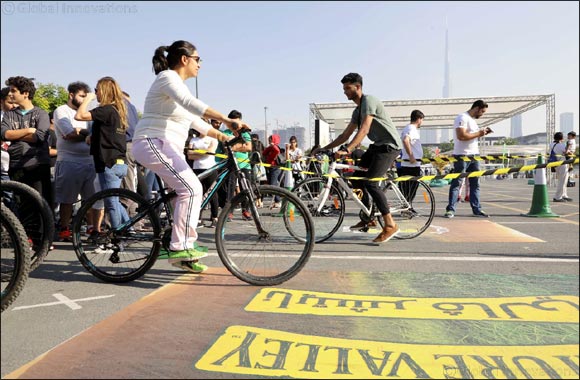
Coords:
270,353
522,309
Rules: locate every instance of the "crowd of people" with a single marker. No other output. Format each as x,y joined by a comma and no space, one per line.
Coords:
105,144
101,145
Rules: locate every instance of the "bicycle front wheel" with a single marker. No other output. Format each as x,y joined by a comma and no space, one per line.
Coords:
412,206
15,257
117,254
327,213
36,217
273,245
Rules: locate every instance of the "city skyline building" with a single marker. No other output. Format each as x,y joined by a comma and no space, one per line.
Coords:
285,133
516,126
566,122
443,135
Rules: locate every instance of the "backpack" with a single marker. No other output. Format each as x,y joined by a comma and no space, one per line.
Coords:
553,158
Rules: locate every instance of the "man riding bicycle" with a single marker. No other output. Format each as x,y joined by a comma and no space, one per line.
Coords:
370,119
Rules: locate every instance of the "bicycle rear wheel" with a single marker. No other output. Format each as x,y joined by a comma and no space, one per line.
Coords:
413,220
36,217
271,256
329,219
119,254
15,257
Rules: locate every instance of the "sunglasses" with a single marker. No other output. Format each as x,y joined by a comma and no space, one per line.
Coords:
197,58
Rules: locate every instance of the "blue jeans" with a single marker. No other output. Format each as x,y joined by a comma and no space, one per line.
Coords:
275,175
461,166
152,184
111,178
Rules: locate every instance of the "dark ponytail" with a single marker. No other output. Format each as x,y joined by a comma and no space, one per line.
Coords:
159,60
174,53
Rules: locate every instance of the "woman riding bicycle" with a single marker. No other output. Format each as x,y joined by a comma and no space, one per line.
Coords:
170,111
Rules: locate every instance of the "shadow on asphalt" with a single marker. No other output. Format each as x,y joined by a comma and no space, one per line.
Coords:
73,271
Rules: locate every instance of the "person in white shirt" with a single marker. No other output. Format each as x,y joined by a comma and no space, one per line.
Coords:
466,137
412,153
202,162
560,149
6,105
571,150
74,170
294,155
571,143
170,111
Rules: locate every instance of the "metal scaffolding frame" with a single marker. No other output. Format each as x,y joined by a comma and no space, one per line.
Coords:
440,113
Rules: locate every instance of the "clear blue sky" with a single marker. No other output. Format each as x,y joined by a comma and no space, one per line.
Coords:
285,55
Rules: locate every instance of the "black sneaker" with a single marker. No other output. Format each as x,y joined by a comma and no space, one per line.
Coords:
481,214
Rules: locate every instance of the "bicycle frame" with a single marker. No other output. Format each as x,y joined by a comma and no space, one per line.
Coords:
341,183
332,176
225,168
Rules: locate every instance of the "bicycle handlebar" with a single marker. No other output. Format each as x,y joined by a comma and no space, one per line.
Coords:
329,153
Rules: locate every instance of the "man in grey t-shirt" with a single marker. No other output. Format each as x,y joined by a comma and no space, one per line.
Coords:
370,119
74,171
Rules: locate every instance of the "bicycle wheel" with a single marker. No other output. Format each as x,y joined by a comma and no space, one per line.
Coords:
119,254
15,257
329,219
413,220
271,256
36,217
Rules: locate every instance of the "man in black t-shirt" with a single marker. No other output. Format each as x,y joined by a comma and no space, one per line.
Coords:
27,128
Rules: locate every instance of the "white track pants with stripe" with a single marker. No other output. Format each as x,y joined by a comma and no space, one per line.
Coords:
167,160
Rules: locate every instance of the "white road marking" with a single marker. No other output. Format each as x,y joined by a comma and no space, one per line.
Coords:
439,230
525,222
63,300
450,258
416,258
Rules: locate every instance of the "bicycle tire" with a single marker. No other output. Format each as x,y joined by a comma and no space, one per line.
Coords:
330,217
275,256
36,217
412,222
118,257
14,242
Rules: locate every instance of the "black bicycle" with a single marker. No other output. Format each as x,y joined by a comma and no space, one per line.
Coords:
34,213
267,249
15,257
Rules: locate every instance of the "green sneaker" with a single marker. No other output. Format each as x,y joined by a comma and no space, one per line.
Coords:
201,248
191,266
183,254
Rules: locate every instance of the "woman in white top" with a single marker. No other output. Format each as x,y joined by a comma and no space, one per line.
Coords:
294,154
170,111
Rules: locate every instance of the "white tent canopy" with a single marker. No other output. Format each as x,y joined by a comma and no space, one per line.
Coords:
439,113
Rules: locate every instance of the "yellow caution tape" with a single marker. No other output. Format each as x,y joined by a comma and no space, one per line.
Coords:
481,173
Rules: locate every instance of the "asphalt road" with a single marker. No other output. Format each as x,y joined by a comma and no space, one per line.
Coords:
66,310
